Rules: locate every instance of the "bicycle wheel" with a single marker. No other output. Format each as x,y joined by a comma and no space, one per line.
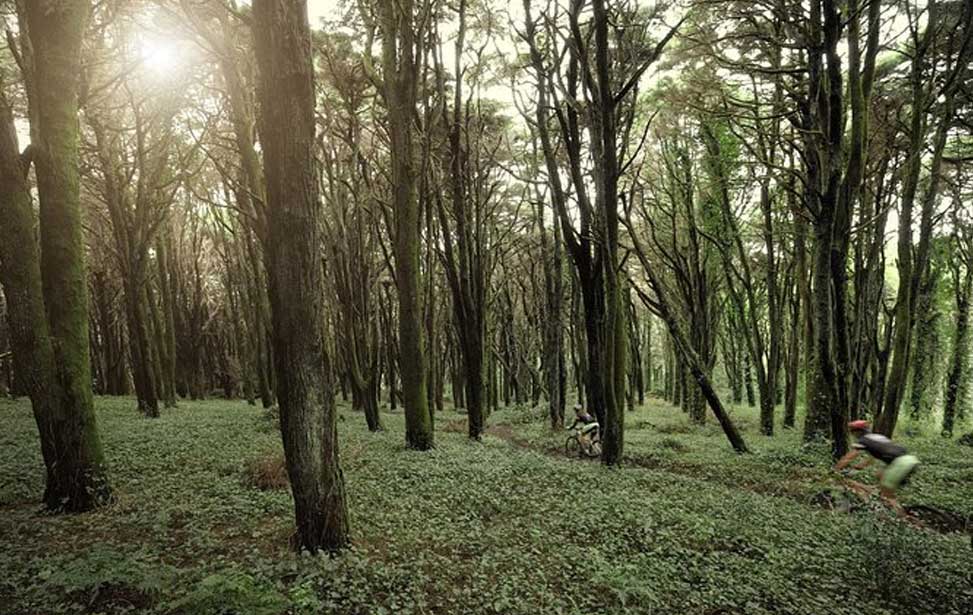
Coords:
572,446
838,500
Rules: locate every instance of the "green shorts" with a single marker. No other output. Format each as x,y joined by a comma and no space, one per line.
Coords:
898,471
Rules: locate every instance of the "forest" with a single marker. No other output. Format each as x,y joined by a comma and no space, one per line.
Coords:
473,306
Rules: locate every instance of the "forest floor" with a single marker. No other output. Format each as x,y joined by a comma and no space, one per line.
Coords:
510,525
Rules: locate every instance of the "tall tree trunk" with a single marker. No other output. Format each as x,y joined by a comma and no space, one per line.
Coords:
296,275
553,324
143,364
168,318
926,361
911,273
775,321
635,382
464,249
797,318
256,295
399,72
52,352
748,380
959,363
649,369
579,362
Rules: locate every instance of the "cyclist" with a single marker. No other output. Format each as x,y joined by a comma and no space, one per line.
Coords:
899,464
589,431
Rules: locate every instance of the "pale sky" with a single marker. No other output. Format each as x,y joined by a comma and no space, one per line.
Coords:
316,9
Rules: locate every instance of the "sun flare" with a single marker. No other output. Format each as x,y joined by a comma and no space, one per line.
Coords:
159,56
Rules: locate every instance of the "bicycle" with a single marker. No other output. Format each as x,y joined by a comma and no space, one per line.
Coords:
581,445
845,498
850,496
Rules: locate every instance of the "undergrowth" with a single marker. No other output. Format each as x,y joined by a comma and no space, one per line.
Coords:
492,527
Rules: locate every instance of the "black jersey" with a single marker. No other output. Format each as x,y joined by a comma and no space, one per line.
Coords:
880,447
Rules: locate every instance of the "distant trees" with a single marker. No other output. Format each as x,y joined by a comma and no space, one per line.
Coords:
138,170
948,36
356,264
608,80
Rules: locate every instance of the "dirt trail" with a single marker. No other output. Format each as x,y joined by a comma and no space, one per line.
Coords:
928,517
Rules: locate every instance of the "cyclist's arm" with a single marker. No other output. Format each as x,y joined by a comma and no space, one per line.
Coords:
844,461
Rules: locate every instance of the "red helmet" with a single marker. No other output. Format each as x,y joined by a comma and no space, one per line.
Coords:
859,425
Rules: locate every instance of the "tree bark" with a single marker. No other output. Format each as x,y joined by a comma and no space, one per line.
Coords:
168,319
959,363
296,276
465,251
400,83
143,370
927,360
45,288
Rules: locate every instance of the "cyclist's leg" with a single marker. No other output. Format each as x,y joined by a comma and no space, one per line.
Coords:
897,472
893,477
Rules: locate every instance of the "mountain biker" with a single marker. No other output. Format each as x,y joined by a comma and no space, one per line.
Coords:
899,464
589,425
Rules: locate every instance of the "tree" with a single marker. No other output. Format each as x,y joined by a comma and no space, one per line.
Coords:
925,87
222,31
961,272
352,232
44,283
399,83
604,73
661,304
464,224
296,277
137,179
832,186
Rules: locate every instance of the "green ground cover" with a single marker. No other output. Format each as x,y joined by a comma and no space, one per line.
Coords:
506,526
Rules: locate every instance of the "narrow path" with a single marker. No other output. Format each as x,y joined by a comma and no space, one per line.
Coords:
927,517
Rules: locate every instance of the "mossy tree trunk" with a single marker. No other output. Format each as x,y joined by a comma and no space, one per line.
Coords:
649,378
356,284
927,359
797,315
960,361
45,284
832,188
694,364
466,255
143,363
397,24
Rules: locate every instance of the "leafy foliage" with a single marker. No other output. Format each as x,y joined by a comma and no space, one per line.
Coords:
501,526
